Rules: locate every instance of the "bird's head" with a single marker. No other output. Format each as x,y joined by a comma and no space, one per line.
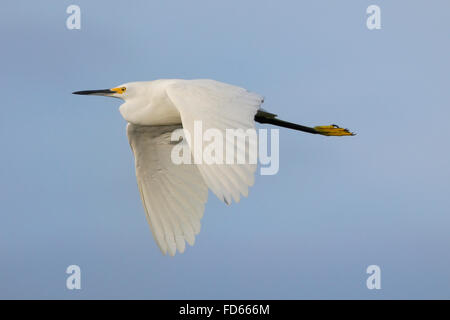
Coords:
122,92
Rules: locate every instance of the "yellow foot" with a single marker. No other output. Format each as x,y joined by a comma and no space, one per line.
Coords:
333,130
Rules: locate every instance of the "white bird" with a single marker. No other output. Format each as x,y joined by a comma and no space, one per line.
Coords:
174,195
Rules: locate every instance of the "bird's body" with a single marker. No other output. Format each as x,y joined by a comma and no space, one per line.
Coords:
174,194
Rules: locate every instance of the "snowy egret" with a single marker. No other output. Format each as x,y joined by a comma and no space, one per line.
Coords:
174,195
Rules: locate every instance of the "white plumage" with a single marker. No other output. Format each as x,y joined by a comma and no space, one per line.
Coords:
174,196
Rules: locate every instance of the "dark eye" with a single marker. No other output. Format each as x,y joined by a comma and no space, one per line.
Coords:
123,88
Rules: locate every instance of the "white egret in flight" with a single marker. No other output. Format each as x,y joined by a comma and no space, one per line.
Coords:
174,195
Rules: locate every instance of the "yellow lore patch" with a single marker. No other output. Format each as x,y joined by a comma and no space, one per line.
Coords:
119,90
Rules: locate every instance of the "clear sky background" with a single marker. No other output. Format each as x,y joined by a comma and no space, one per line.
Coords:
68,193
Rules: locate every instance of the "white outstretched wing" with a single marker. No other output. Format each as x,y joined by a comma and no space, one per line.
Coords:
220,106
173,195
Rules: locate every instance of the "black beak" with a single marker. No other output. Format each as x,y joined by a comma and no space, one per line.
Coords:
102,92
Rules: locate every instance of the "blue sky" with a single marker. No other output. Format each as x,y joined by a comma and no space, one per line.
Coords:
68,190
